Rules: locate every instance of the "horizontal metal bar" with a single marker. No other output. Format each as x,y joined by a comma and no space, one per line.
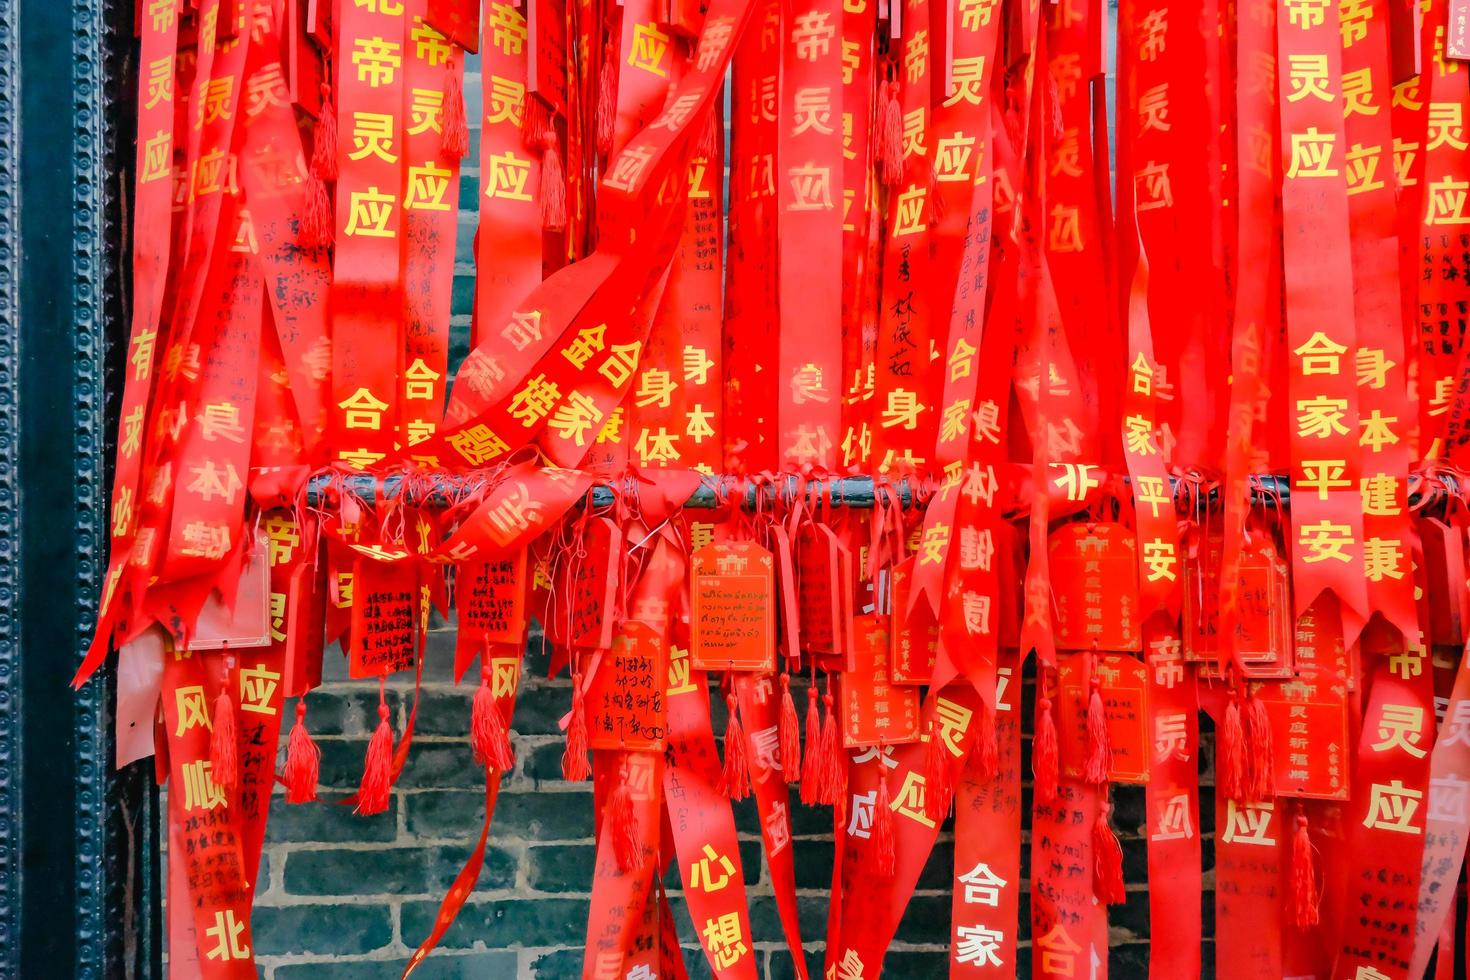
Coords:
855,492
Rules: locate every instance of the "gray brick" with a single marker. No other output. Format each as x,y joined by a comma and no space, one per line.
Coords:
509,924
540,706
532,816
343,710
342,761
560,867
779,966
390,870
330,927
446,712
926,920
462,298
917,965
564,964
543,762
328,821
441,965
765,920
438,765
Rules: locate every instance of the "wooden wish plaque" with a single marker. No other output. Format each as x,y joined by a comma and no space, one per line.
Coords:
733,599
625,700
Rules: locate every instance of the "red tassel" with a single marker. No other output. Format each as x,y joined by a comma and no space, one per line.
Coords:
1107,877
303,760
788,733
735,783
885,839
985,756
377,767
1304,897
1044,763
488,735
938,776
574,766
623,827
833,781
456,134
535,121
607,110
709,142
553,189
224,744
891,157
1258,731
1230,764
811,769
324,145
316,219
1099,745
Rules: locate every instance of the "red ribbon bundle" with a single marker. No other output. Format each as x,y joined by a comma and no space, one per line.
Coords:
1203,455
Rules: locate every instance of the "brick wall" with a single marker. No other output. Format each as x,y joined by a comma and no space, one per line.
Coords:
345,897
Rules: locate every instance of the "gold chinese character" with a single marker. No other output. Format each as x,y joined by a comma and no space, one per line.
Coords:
1376,431
657,447
697,363
812,35
648,50
724,940
426,111
1357,93
1152,34
1307,74
160,81
1320,417
1153,109
1160,559
1323,476
910,211
1248,823
1306,14
1401,726
535,400
377,60
1382,558
1311,154
1325,540
1392,807
1446,126
478,444
812,108
201,792
429,45
427,187
210,481
508,30
811,187
967,81
1152,187
909,800
215,98
712,872
368,214
372,135
257,688
1362,169
226,932
363,410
